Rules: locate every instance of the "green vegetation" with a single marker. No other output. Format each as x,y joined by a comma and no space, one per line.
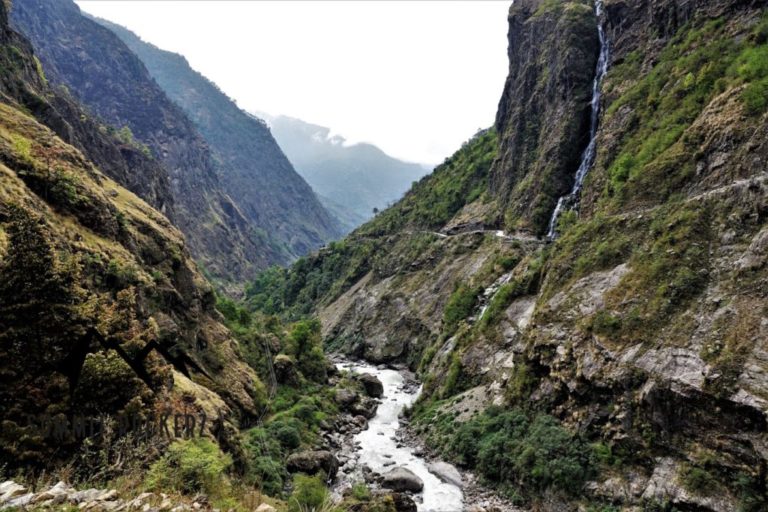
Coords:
656,157
309,493
697,480
23,148
313,279
460,305
434,199
191,466
516,451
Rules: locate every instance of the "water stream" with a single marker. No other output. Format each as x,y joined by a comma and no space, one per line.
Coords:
588,157
378,449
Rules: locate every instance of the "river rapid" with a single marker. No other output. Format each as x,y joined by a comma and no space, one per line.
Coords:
378,448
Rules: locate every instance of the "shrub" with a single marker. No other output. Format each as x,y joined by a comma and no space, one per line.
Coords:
460,305
309,493
697,479
268,473
361,492
191,466
287,435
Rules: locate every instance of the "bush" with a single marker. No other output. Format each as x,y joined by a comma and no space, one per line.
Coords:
309,493
361,492
287,435
191,466
268,473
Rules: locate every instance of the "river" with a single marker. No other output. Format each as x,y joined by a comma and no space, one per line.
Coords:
377,446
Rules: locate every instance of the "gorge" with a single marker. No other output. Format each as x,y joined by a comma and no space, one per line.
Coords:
510,335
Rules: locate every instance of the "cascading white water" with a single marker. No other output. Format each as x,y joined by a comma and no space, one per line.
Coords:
588,157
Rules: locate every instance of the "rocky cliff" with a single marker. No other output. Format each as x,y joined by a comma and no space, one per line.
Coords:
102,72
102,310
251,166
544,111
641,330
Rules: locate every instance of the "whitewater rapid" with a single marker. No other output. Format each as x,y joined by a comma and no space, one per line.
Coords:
377,448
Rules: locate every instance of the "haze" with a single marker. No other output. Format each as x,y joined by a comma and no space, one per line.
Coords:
415,78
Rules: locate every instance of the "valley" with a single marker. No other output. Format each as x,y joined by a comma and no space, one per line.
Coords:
570,313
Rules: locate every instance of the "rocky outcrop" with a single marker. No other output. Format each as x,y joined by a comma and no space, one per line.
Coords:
61,495
543,115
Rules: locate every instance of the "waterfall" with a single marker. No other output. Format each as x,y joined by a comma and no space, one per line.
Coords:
588,157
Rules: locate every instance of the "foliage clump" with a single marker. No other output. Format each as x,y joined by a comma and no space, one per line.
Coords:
191,466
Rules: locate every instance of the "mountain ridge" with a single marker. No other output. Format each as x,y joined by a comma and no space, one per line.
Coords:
355,177
225,236
251,166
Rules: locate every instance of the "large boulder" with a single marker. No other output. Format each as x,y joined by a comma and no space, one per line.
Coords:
311,462
373,386
345,398
401,479
447,473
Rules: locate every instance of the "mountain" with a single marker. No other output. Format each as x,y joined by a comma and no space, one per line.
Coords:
119,366
620,365
251,166
102,309
98,69
351,179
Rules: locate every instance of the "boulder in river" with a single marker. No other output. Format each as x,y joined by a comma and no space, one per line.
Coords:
373,386
311,462
402,479
447,473
402,502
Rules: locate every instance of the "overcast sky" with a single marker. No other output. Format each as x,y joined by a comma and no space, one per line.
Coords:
414,78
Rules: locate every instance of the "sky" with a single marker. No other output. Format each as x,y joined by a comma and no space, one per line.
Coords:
415,78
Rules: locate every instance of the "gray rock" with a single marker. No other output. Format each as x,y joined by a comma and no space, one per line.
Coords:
19,501
402,479
311,462
345,398
447,473
373,386
365,408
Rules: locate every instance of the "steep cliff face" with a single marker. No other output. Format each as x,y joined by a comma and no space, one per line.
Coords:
107,77
251,167
102,310
543,115
642,329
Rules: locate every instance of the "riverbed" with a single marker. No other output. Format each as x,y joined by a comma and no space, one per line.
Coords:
377,447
